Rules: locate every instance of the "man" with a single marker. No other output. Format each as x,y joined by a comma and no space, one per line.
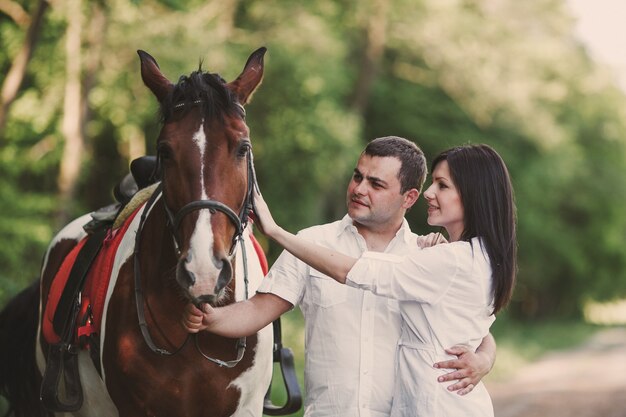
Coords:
350,334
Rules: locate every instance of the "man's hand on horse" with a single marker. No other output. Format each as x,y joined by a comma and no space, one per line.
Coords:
194,319
469,368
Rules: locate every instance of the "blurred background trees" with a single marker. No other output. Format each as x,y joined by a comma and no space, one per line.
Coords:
74,113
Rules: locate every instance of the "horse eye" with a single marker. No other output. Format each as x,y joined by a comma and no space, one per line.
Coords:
244,148
164,151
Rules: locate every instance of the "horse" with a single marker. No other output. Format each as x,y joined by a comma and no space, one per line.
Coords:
189,241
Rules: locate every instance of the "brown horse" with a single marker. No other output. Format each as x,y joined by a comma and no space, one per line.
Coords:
185,244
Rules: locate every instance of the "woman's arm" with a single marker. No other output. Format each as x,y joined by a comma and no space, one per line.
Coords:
327,261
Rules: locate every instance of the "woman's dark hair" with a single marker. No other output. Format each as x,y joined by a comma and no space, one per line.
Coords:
484,185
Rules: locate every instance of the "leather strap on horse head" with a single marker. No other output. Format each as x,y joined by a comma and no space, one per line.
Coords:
239,220
61,373
139,298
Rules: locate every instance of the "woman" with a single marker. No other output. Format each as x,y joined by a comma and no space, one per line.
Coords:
448,293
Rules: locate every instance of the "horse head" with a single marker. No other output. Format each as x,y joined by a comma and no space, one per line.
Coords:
206,171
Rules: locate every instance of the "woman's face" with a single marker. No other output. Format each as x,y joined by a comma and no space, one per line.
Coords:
444,202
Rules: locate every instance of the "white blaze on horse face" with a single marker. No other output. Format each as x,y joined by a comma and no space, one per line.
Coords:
200,260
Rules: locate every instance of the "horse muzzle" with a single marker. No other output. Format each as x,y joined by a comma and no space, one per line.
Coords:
205,285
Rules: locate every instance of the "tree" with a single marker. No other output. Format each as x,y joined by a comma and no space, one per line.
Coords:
15,75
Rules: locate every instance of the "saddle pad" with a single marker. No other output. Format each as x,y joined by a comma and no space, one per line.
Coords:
96,282
259,252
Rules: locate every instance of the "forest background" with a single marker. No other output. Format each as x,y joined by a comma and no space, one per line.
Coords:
338,73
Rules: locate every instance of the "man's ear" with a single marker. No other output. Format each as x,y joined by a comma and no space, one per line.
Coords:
410,197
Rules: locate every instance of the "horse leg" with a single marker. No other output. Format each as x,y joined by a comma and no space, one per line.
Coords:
19,377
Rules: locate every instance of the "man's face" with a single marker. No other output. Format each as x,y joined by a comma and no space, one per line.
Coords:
373,197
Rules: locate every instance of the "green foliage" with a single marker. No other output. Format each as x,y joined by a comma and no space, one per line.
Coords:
509,74
25,230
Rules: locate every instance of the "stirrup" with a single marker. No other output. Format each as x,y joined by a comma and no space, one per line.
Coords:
283,356
61,376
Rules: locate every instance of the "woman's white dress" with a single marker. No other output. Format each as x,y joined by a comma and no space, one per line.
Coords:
445,299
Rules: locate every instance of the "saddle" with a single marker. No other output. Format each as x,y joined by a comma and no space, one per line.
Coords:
74,310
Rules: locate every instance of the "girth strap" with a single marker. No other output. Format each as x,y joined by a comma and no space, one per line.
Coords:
76,280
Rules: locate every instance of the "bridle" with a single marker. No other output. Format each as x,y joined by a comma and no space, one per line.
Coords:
239,220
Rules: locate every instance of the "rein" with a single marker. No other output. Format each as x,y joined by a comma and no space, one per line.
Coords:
240,221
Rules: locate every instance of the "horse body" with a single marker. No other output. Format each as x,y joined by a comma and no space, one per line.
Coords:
189,244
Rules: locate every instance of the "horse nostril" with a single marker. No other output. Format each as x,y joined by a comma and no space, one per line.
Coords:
184,276
191,277
226,274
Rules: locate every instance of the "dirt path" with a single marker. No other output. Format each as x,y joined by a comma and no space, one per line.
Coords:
589,381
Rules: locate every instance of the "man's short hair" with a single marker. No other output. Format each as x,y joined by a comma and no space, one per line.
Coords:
412,160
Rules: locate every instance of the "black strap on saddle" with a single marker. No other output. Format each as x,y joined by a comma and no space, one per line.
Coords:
60,388
284,357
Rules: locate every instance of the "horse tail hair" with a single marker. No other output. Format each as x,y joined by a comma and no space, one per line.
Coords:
19,377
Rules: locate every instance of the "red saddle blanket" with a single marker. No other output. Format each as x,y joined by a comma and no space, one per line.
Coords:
97,282
94,290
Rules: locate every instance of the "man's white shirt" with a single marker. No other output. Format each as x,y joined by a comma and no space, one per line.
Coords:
350,334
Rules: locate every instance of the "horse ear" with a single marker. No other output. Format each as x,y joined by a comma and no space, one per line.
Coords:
152,76
250,78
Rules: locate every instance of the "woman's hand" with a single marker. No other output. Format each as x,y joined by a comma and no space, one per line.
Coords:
430,239
263,216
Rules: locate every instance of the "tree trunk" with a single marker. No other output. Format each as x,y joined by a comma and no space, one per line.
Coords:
15,11
15,76
376,38
73,115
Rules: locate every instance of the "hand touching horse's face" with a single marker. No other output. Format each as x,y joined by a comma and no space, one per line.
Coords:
204,153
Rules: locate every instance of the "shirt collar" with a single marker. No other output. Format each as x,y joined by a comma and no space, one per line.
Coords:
403,233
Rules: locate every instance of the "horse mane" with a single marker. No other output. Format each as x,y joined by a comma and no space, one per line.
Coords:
201,89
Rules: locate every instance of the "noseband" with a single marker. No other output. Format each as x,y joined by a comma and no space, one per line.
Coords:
240,221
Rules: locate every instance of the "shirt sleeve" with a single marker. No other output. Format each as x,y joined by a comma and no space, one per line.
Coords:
423,275
286,279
